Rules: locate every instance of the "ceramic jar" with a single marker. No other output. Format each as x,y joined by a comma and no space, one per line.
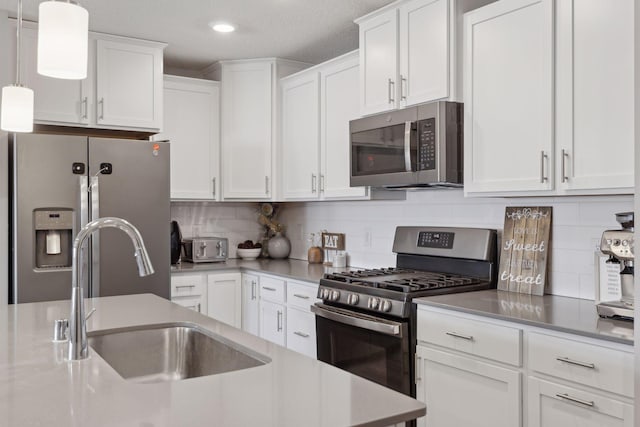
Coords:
279,246
314,255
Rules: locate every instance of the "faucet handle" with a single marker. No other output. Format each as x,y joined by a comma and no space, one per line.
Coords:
60,327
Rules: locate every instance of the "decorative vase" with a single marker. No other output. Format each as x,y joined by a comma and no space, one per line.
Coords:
314,255
279,246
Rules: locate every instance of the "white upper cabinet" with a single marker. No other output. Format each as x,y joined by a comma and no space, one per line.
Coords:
379,62
544,113
300,136
250,111
128,84
594,98
424,51
123,88
508,86
191,124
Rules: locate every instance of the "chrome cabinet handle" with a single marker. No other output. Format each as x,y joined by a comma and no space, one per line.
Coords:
279,321
543,158
267,288
313,182
565,155
253,289
214,187
322,183
565,396
301,296
576,362
301,334
390,86
85,108
185,286
101,102
199,311
266,185
457,335
403,88
418,368
195,307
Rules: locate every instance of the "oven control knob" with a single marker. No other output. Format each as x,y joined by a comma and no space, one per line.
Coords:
373,303
324,293
352,299
385,305
334,296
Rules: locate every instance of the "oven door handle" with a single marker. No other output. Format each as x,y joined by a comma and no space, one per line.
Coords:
363,321
407,146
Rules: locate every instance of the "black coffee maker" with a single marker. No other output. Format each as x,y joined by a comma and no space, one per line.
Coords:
176,242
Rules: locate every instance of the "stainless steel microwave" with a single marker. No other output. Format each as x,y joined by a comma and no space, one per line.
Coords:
415,147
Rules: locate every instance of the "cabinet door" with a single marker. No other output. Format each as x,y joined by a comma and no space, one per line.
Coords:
246,130
56,101
301,331
338,105
272,322
424,51
224,298
595,94
191,124
552,404
250,306
462,391
129,85
300,137
379,63
508,97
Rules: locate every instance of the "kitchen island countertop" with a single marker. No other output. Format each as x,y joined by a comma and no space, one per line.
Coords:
39,387
572,315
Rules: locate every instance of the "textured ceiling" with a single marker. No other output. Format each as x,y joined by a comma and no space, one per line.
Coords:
304,30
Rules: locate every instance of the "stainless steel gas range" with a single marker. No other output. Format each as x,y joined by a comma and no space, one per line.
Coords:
366,322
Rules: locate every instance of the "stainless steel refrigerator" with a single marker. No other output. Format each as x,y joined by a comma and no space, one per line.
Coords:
58,184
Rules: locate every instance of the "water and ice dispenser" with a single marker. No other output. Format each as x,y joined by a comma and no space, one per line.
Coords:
54,237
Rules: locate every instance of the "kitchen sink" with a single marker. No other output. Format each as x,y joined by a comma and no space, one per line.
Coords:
170,352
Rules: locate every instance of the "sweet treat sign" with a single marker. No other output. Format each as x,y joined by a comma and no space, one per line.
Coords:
525,245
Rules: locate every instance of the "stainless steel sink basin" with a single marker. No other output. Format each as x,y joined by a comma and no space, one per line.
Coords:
169,352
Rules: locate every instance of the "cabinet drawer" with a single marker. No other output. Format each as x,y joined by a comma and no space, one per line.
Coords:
192,303
301,332
272,289
186,285
301,295
500,343
585,363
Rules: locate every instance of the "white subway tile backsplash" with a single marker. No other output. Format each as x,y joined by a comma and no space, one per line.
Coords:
578,223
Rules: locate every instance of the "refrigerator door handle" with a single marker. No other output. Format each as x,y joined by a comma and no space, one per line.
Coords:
94,288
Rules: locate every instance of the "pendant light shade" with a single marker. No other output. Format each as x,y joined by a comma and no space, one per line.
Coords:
63,38
16,113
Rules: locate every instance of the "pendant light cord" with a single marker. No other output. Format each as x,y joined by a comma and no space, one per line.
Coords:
19,33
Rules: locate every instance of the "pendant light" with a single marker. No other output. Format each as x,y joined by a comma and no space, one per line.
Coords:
16,113
63,39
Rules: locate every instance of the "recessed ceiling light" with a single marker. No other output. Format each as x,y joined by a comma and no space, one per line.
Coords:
222,27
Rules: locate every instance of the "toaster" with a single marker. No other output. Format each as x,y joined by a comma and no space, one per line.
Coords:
206,249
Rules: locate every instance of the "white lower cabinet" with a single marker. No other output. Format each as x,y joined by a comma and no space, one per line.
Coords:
552,404
489,394
250,303
301,331
224,298
563,380
190,291
272,322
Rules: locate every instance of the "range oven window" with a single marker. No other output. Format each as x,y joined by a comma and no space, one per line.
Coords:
379,357
382,150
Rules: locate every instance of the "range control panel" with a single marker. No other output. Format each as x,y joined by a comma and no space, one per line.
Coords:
427,144
435,239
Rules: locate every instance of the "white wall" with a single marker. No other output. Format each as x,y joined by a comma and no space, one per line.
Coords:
4,219
578,223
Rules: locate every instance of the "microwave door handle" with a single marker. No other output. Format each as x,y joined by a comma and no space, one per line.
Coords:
407,146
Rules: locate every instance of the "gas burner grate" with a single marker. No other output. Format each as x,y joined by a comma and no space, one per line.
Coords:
412,280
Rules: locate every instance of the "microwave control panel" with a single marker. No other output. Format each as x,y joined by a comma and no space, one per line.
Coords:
427,144
437,239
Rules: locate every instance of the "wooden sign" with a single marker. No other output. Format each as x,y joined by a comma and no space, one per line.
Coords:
525,244
333,241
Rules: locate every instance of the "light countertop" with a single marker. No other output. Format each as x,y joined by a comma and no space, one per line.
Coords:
39,387
572,315
291,268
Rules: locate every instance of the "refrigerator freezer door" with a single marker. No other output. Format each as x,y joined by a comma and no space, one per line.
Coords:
133,184
46,189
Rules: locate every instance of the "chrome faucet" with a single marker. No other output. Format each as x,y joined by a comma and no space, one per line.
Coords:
78,346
